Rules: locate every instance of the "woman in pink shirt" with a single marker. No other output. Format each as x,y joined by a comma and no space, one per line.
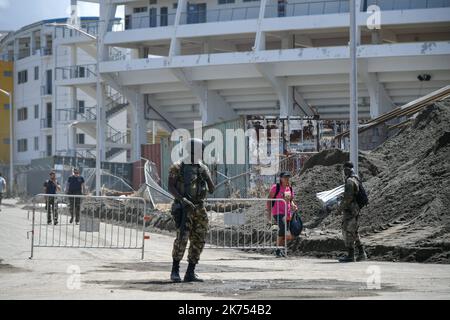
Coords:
281,211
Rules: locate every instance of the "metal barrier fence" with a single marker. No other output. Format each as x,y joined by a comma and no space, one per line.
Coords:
98,222
242,224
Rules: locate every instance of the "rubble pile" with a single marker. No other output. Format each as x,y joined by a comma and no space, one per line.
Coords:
408,181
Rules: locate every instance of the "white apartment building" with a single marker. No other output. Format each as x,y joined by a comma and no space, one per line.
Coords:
51,119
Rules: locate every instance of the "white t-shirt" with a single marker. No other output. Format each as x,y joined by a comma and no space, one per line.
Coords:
2,185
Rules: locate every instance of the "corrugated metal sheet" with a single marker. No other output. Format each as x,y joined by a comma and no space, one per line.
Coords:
150,152
230,170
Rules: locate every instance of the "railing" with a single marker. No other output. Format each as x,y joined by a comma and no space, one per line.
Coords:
46,90
46,123
7,57
88,27
76,72
89,114
149,21
219,15
24,53
306,8
73,115
46,51
116,54
407,4
115,136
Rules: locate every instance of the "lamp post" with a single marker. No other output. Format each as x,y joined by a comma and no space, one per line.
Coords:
353,87
11,141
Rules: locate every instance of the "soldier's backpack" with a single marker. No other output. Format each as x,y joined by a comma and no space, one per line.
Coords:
361,197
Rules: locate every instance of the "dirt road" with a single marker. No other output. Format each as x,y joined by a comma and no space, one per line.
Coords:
57,273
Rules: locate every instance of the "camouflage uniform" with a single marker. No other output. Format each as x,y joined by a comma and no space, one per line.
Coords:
350,209
196,226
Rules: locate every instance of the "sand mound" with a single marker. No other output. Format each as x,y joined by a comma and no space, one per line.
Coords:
408,181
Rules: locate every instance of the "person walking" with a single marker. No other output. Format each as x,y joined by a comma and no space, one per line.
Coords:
51,186
281,211
75,187
2,189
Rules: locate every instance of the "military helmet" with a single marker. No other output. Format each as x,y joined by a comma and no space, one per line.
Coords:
195,148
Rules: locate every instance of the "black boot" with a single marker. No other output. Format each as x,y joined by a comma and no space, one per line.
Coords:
175,275
350,256
190,275
362,255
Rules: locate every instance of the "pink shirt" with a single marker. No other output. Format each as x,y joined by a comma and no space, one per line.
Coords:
280,207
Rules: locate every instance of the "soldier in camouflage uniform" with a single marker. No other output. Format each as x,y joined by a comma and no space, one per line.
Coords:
350,210
189,183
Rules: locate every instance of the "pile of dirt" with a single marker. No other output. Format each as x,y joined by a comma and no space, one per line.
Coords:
408,181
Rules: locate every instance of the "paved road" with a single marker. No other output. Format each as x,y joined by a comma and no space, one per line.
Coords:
57,273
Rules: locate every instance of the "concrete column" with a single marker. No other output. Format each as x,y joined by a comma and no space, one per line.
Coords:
175,44
287,104
32,46
260,38
286,42
43,40
139,126
73,20
379,101
214,109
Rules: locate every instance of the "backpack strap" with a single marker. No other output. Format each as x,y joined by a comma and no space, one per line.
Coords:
277,191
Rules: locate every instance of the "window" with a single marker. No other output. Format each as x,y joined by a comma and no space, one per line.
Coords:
249,0
140,9
175,5
22,145
153,1
36,143
7,74
81,106
226,1
6,106
80,138
36,73
36,111
127,22
163,16
22,76
22,114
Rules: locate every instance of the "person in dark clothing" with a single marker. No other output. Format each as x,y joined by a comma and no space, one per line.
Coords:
75,186
51,186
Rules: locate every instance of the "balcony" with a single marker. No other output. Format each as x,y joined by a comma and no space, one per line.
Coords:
407,4
220,15
46,90
46,123
295,9
46,52
87,71
91,28
306,8
149,21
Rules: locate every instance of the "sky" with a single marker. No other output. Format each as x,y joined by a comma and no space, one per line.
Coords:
14,14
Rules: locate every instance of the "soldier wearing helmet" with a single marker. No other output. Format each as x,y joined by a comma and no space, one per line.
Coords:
189,182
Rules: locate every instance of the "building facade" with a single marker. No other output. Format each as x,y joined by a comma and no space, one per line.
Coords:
50,119
177,62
